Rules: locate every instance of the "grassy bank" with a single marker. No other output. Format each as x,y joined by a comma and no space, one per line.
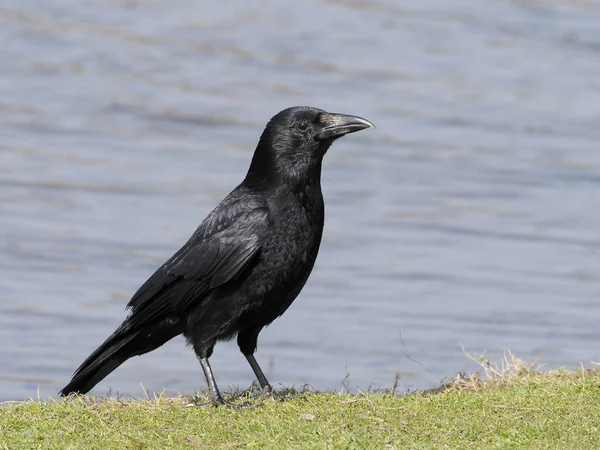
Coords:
517,408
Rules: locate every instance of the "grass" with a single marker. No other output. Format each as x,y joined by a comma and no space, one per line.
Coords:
507,405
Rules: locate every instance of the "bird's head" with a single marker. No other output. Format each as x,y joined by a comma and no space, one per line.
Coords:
295,140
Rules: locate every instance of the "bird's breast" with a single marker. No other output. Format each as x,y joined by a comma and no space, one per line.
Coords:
294,241
286,257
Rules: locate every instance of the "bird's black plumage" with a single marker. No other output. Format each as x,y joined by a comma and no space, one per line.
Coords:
246,262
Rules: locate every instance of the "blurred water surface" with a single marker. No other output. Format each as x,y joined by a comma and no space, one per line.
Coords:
471,216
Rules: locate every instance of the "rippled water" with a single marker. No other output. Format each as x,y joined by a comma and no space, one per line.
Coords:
469,217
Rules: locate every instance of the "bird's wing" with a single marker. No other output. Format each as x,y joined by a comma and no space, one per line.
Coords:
223,245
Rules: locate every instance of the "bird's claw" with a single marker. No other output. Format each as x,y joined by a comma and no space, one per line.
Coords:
221,402
268,392
243,405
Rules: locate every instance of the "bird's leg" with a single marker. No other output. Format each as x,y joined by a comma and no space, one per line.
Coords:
247,340
267,389
215,395
216,399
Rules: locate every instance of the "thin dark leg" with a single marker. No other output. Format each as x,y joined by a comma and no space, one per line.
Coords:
215,395
247,340
260,376
216,399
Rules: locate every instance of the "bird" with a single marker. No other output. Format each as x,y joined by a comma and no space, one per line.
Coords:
245,263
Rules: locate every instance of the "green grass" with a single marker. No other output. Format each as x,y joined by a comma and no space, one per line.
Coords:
517,407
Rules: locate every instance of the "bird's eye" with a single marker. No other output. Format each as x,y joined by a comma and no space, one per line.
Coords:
302,126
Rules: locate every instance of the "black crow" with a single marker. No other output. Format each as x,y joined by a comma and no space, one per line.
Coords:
246,262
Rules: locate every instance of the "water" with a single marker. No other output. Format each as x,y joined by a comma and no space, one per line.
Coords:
469,217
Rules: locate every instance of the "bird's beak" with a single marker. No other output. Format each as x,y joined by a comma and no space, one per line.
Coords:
337,125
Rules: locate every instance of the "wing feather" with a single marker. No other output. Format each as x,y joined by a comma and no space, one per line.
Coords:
207,261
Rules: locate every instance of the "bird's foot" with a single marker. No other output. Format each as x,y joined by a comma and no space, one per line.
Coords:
220,401
268,392
243,405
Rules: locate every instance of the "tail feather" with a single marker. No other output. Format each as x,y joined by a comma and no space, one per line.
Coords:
118,348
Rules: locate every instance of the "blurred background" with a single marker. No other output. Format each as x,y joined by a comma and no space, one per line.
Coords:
470,217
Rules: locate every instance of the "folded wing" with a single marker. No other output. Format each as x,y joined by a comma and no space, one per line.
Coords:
211,258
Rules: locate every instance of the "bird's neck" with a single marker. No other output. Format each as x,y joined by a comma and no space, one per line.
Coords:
295,173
